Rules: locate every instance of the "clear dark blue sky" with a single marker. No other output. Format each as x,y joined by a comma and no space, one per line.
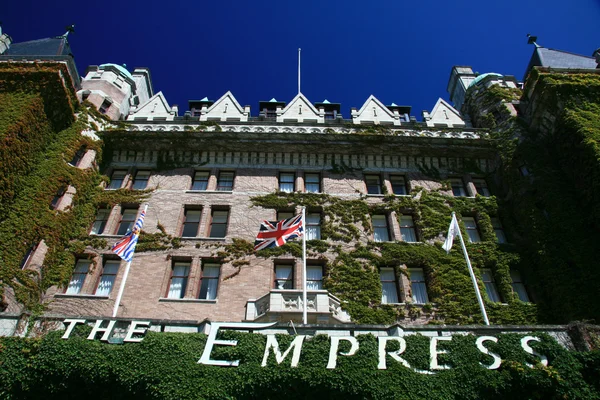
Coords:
399,51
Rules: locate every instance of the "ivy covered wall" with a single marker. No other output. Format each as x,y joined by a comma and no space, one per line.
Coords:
165,366
549,183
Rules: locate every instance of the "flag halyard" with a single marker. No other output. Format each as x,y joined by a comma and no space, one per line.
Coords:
278,233
125,247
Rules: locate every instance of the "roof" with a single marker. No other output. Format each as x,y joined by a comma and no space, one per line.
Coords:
482,77
56,46
545,57
120,68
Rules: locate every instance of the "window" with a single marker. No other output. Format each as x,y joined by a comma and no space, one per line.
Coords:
56,199
313,226
286,182
116,179
458,188
127,220
524,170
77,156
225,181
141,180
389,286
500,237
472,231
281,215
200,180
518,286
407,229
179,277
218,225
312,183
107,279
105,106
481,187
314,277
191,222
398,185
100,222
210,281
417,286
490,285
380,228
284,276
76,283
373,183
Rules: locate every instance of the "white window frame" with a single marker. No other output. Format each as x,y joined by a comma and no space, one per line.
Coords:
407,228
472,229
178,283
418,286
389,286
82,268
209,282
107,279
487,276
313,226
285,182
379,222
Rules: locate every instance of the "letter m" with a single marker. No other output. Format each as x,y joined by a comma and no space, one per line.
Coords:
273,344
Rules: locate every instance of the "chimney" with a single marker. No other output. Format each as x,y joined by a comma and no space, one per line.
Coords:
596,55
5,41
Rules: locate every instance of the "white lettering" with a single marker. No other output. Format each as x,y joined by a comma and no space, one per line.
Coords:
72,323
525,345
212,340
107,331
335,344
481,347
434,352
272,343
133,330
394,354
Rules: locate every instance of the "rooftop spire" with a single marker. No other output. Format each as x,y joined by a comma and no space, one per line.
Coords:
532,40
70,29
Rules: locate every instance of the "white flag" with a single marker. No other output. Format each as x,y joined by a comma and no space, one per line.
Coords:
453,231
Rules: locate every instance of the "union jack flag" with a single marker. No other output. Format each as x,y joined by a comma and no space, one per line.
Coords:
277,233
125,247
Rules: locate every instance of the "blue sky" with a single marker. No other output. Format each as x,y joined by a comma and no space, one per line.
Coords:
400,52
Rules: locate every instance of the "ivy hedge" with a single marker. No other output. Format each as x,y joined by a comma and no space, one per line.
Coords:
165,366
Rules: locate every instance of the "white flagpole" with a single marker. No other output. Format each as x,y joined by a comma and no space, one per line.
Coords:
299,70
475,285
304,297
122,287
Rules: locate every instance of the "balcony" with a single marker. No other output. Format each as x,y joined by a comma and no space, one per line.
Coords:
287,305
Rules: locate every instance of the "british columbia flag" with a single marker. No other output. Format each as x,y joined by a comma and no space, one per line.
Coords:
125,247
277,233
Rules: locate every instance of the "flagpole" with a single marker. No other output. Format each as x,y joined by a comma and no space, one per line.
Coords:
122,287
475,285
304,297
299,70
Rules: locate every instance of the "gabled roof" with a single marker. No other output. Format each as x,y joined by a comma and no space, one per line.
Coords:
444,113
56,46
372,101
156,106
300,99
225,99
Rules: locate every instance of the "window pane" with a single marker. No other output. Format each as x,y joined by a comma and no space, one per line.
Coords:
100,222
518,286
210,281
312,183
116,180
284,277
407,229
107,279
127,221
417,285
314,277
472,231
225,182
191,224
500,237
200,180
78,277
178,280
398,185
219,224
490,285
313,226
373,184
481,187
380,229
141,180
389,287
286,182
458,188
